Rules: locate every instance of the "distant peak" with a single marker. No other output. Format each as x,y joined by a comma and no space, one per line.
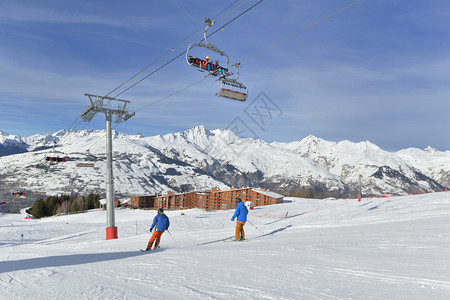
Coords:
312,140
200,128
197,130
430,149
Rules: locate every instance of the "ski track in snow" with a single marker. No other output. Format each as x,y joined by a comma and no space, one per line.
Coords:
381,248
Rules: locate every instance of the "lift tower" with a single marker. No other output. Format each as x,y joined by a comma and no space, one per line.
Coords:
116,107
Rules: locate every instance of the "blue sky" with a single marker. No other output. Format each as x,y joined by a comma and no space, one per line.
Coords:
376,71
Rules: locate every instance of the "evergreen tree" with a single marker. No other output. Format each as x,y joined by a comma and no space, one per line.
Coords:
75,206
50,204
90,201
38,209
97,204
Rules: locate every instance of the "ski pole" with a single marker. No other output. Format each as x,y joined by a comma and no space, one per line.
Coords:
255,226
172,237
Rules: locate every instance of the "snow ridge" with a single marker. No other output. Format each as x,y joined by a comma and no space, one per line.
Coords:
198,159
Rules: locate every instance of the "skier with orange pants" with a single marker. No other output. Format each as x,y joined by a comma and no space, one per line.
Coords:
241,214
161,221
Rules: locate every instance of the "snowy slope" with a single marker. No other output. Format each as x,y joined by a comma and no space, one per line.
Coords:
381,248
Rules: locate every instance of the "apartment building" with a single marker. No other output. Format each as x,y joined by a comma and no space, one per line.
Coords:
143,201
216,199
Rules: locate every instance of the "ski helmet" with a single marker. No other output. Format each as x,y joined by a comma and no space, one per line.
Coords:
238,200
160,211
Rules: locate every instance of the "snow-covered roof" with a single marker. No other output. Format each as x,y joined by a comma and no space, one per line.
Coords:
268,193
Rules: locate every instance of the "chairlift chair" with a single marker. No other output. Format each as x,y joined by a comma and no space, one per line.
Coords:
231,88
202,64
228,87
53,156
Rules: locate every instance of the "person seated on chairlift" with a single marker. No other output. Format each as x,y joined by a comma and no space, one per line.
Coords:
208,65
221,71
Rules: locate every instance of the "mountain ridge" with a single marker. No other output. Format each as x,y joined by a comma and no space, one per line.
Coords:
198,159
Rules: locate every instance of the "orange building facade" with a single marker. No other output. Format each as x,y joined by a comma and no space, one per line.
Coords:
216,199
143,201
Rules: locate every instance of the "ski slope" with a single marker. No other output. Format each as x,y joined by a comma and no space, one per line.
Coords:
383,248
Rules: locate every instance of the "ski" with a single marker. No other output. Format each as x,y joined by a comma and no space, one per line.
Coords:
143,250
233,240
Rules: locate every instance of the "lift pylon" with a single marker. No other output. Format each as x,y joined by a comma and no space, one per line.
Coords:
113,107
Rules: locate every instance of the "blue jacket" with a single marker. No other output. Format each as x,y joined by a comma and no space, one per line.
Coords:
162,223
241,212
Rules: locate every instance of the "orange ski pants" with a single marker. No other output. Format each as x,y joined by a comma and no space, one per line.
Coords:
240,230
156,235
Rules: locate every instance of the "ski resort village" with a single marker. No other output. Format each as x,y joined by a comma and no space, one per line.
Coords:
213,199
237,149
324,220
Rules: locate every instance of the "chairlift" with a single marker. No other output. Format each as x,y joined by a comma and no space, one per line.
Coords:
231,88
56,159
85,165
87,161
53,156
204,64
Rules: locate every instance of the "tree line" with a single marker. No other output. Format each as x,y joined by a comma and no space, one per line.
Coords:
63,204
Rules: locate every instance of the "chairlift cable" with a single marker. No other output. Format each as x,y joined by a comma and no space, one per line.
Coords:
183,43
150,74
154,102
232,10
226,24
149,66
226,9
299,31
173,94
70,128
182,53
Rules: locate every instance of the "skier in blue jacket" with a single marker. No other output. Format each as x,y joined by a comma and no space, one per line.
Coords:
161,221
241,214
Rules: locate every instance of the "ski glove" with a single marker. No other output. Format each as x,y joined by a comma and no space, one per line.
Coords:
232,219
151,229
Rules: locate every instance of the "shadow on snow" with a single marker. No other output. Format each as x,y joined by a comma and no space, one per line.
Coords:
273,232
63,260
215,241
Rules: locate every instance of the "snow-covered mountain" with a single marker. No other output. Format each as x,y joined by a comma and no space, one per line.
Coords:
245,162
198,159
11,144
377,171
431,162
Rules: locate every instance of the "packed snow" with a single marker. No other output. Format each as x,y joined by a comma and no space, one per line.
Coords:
381,248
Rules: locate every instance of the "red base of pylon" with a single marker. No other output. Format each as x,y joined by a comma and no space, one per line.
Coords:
111,233
359,199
